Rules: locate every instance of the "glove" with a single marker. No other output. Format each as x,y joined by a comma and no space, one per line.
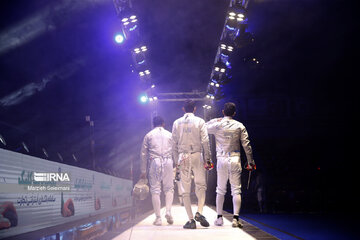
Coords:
250,166
208,165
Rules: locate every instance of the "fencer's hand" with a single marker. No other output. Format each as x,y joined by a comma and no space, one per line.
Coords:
208,165
250,166
177,176
177,173
142,176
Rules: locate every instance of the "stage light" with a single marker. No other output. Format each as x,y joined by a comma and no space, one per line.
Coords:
140,49
207,106
153,99
219,69
153,86
225,51
127,20
143,73
228,48
232,15
255,60
240,17
235,17
237,12
214,84
129,24
210,96
144,98
119,38
139,55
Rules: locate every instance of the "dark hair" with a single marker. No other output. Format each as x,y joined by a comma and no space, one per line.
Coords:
229,109
189,105
158,121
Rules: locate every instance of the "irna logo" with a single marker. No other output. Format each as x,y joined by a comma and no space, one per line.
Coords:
51,177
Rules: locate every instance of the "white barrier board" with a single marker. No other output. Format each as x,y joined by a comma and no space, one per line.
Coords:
29,201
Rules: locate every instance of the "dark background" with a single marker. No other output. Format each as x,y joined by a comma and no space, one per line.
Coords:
59,63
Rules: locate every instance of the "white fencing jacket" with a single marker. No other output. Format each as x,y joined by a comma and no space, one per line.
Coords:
189,135
229,133
157,144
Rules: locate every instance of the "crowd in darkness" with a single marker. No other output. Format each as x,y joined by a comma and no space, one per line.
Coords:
297,169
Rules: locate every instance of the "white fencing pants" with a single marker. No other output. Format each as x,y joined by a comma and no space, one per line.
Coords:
161,170
193,163
228,169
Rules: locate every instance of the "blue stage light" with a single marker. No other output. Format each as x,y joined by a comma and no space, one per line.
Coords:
119,38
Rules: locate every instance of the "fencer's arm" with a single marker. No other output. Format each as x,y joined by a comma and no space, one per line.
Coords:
205,141
245,142
212,125
175,140
144,155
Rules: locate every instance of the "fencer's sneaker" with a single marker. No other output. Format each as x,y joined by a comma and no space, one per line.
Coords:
157,221
190,224
169,219
200,218
219,221
236,223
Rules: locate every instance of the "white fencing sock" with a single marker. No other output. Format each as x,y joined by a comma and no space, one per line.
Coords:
187,205
201,195
156,204
236,204
169,197
219,203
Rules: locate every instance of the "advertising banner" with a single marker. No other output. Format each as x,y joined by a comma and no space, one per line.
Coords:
37,193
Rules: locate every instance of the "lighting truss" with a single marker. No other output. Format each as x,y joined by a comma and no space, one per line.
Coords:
182,96
121,6
130,26
234,26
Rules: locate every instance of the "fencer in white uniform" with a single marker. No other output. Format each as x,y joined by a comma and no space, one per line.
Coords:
190,140
156,152
229,134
